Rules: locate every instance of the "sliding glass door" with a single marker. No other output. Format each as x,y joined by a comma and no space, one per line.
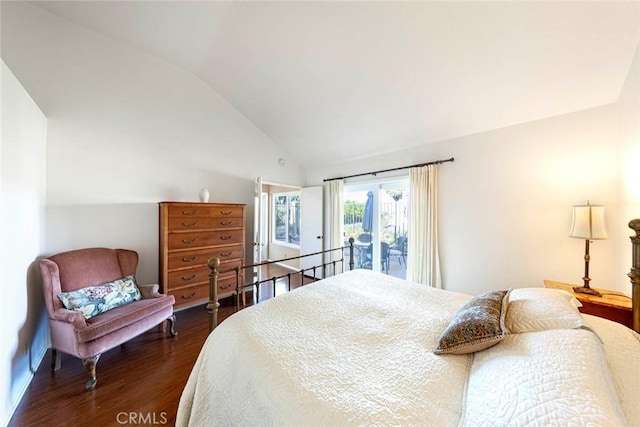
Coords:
376,217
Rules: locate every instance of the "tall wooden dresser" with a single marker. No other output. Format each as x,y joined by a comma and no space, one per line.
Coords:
190,234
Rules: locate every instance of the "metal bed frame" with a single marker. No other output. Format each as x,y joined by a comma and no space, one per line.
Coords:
327,268
214,263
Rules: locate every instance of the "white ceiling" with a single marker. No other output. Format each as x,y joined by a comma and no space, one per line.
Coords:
333,81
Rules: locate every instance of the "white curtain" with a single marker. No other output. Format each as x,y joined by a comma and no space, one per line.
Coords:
423,262
336,219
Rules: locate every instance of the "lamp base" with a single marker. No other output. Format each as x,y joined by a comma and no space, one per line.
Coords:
586,290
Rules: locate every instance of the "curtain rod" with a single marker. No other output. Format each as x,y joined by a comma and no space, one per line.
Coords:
437,162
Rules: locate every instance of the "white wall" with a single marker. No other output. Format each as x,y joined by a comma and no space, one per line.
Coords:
629,161
22,197
505,203
126,131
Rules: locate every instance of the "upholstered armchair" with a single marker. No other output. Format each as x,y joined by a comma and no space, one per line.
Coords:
114,319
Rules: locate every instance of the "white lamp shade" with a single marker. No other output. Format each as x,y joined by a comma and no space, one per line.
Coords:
588,223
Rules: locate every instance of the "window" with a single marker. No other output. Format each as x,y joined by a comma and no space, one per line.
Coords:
375,215
286,218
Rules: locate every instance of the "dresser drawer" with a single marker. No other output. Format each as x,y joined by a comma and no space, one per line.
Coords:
189,276
227,286
178,260
189,211
222,212
198,274
199,294
199,239
190,295
188,259
229,252
227,268
204,223
205,210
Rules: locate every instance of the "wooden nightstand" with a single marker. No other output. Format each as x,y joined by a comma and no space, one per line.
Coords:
611,305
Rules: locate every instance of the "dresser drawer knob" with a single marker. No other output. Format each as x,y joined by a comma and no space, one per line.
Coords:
226,237
226,212
185,278
187,213
225,286
192,259
189,240
225,254
188,296
186,224
226,222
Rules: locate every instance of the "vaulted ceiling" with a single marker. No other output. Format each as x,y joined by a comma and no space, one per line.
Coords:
365,78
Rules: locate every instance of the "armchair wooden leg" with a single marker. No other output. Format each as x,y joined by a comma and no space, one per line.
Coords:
90,365
56,361
172,320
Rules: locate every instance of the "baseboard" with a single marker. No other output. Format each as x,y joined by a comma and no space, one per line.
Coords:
19,390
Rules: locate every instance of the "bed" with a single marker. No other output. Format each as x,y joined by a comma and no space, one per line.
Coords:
363,348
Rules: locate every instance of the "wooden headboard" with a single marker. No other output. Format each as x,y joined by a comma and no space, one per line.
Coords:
635,274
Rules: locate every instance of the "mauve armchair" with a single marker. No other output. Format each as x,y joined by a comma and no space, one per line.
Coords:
87,339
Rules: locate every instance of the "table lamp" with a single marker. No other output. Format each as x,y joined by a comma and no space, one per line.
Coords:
588,224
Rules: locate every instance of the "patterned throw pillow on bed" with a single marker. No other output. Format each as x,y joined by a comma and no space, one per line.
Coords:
479,324
93,300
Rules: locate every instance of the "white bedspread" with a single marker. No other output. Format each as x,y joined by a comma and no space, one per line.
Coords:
622,351
356,349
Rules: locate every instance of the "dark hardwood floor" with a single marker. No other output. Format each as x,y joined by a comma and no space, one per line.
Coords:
139,383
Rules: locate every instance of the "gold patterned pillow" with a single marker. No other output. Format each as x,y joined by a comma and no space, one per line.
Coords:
478,325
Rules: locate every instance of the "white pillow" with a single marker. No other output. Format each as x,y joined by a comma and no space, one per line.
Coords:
541,309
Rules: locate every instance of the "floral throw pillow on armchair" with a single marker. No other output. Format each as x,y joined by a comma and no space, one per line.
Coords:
93,300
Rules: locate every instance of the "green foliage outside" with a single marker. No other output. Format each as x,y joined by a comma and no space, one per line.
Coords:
354,212
281,210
